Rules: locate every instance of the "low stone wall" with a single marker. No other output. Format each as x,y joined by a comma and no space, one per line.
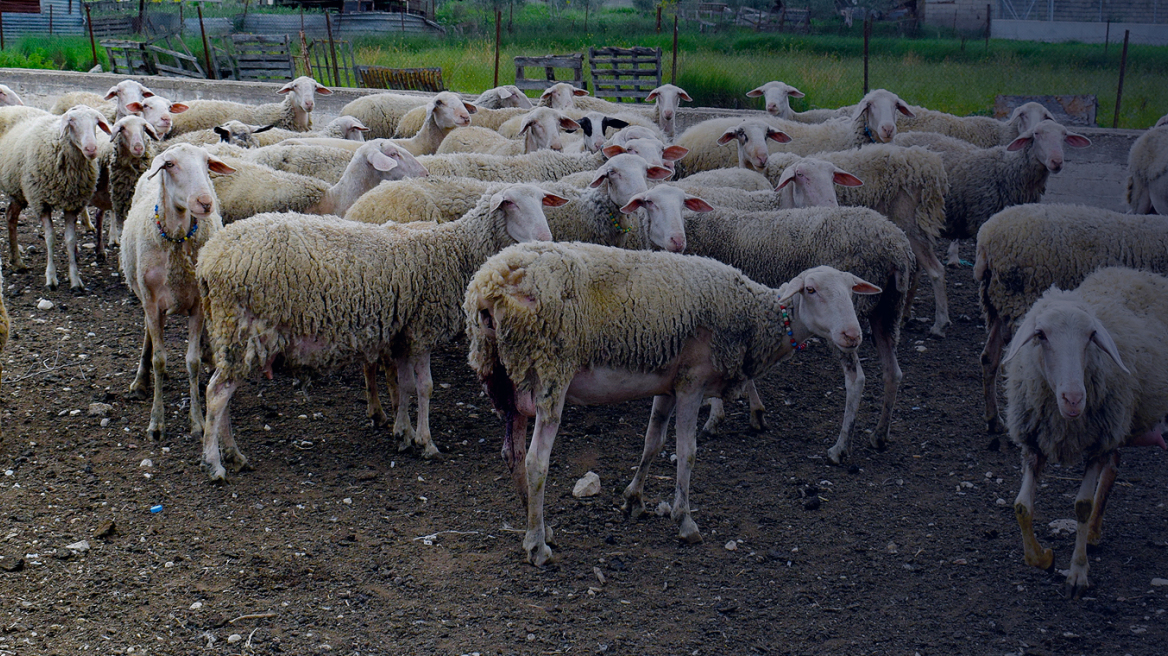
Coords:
1061,31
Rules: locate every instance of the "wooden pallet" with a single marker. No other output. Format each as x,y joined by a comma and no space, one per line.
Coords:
173,59
401,79
128,57
339,73
573,64
262,57
624,73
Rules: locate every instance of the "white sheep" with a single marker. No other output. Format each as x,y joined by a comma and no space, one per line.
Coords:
8,97
123,95
46,163
256,189
1025,249
121,164
388,299
174,213
1085,376
663,113
258,136
631,132
1146,191
13,114
770,246
561,95
324,162
492,119
499,97
776,98
159,113
1162,121
540,129
444,112
294,113
742,179
981,131
652,151
984,181
543,165
440,199
551,324
381,112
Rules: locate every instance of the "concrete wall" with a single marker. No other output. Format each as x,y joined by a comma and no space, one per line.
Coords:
964,15
1058,31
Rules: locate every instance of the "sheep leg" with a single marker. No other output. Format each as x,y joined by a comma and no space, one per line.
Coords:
927,259
663,406
991,358
424,386
138,387
406,384
372,400
757,409
115,229
1077,582
155,321
547,422
99,231
686,427
15,253
50,244
1035,555
87,221
70,219
854,386
717,414
882,339
219,392
194,365
1106,480
953,257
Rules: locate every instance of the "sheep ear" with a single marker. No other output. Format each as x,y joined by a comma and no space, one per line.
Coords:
635,203
1020,142
674,153
613,151
156,166
612,123
121,128
652,96
777,135
1103,340
1022,337
728,136
134,107
755,93
586,125
323,90
683,95
149,129
380,161
360,128
65,123
147,93
861,286
470,109
526,124
697,204
103,125
568,125
601,176
786,178
112,93
845,179
658,173
497,200
902,107
224,133
285,89
552,200
860,109
579,92
263,129
794,93
1077,140
790,289
546,93
178,108
216,165
503,93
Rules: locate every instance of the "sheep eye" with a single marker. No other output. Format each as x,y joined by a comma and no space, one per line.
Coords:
1039,335
809,290
169,165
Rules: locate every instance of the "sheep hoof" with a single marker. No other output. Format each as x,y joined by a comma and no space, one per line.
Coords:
758,422
235,460
155,432
431,452
1076,584
837,454
633,507
879,441
689,532
994,425
540,555
1044,561
215,472
939,329
710,428
51,283
137,392
1094,537
18,264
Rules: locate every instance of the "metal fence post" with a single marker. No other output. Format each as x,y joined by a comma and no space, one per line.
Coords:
498,30
673,72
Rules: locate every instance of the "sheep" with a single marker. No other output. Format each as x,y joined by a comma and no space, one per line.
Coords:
123,94
440,199
159,112
444,112
120,167
593,126
1161,122
666,99
652,151
507,95
381,112
1085,376
47,163
14,114
174,213
542,165
492,119
257,136
8,97
776,97
742,179
585,324
385,299
981,131
751,137
984,181
873,120
294,113
256,189
560,95
324,162
771,246
1024,249
1146,191
540,129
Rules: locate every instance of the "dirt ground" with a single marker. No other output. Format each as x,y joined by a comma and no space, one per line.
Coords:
337,543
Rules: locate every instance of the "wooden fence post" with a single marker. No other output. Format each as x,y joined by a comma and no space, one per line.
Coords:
659,19
498,30
50,20
867,35
1106,37
989,18
673,72
211,72
2,30
328,23
92,43
1122,70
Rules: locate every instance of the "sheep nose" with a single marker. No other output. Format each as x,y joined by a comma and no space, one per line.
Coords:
1055,165
668,114
850,337
887,132
308,106
557,147
544,235
676,244
1071,404
89,151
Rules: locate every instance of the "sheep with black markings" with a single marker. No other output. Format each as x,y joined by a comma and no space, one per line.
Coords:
550,324
294,113
46,163
1023,250
1085,376
1146,191
382,298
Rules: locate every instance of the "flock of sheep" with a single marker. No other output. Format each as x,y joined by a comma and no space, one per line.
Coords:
792,225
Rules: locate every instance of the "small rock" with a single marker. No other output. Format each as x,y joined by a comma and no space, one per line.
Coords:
1000,501
146,463
732,546
99,409
44,304
366,475
811,503
1063,527
1159,582
74,413
599,575
921,348
105,422
106,529
891,547
588,486
234,638
81,546
12,564
663,509
854,469
348,501
197,605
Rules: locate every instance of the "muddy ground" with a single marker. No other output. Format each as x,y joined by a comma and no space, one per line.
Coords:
337,543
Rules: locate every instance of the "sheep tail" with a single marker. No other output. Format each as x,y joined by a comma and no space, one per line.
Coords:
501,391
